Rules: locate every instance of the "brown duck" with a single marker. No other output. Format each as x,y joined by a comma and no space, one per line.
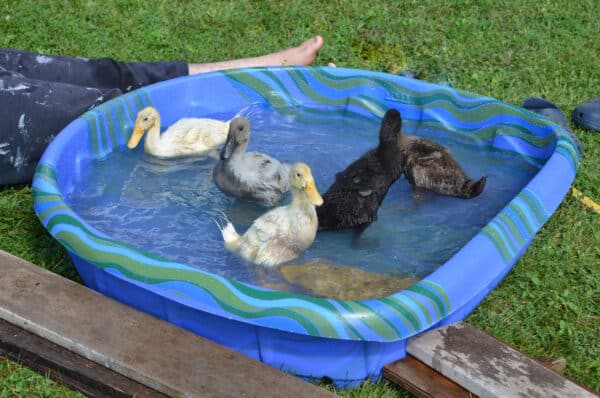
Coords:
430,166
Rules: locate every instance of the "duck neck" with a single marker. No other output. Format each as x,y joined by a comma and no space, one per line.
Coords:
300,199
391,157
153,135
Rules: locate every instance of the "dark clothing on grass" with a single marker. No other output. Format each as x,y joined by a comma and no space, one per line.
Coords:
40,95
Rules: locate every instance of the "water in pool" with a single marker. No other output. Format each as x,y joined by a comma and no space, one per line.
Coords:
167,207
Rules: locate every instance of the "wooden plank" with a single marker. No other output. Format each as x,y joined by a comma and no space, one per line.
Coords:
161,356
488,367
66,367
423,381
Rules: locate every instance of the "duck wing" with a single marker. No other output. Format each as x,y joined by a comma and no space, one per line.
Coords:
196,134
272,224
261,177
425,153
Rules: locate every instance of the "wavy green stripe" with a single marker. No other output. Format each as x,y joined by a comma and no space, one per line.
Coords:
486,110
377,324
494,237
59,219
91,131
571,155
60,206
212,286
275,295
529,229
513,227
391,325
535,207
44,197
282,87
439,303
46,170
487,134
412,320
49,179
260,87
111,132
441,293
120,108
408,96
504,232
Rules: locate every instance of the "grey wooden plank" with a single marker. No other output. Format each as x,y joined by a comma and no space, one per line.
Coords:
162,356
487,367
66,367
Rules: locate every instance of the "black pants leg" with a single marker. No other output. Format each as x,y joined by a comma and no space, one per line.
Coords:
40,95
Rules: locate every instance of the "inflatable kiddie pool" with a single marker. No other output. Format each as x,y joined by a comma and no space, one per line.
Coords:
346,341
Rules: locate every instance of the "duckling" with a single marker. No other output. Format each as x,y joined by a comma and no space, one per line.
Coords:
284,232
358,191
430,166
186,137
249,175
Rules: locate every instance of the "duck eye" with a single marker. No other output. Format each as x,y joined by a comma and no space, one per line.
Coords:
146,118
297,174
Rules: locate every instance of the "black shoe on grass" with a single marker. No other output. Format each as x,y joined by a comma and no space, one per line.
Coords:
587,115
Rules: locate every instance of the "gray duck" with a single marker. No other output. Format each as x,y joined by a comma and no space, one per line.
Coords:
249,175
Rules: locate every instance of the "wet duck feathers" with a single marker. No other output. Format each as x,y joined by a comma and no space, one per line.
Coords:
430,166
353,199
249,175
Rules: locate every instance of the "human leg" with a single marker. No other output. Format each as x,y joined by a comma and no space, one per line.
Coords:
32,112
100,73
304,54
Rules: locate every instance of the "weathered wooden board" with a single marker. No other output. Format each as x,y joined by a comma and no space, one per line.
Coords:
66,367
487,367
423,381
161,356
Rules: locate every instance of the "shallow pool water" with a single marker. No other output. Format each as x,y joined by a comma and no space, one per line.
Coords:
167,207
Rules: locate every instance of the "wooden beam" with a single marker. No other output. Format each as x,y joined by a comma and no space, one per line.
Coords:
143,348
423,381
488,367
66,367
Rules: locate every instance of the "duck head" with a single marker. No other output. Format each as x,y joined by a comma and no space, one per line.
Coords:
390,130
147,119
301,179
237,137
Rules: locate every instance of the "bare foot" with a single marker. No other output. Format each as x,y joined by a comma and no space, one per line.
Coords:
304,54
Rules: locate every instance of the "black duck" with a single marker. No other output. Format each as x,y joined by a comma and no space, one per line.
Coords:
358,191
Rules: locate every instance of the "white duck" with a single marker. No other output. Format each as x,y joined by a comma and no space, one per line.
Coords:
282,233
186,137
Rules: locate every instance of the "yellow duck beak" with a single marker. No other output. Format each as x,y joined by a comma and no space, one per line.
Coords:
135,138
313,194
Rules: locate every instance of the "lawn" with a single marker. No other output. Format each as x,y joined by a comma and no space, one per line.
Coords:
549,304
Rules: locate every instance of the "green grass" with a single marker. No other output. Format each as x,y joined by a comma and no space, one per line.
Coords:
548,305
17,381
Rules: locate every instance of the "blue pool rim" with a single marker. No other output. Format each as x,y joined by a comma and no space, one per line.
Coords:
346,341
